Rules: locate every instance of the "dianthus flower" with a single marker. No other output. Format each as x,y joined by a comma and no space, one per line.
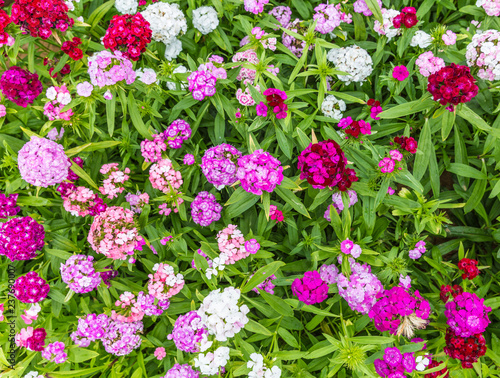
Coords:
400,73
212,363
276,101
418,251
90,328
446,290
443,373
189,333
255,6
387,165
407,143
55,352
245,98
375,108
167,22
491,7
151,150
429,64
201,84
113,233
232,245
360,290
33,339
33,374
259,172
205,19
386,27
71,48
31,288
106,68
400,312
467,315
221,314
484,52
182,371
205,210
452,85
329,273
350,248
421,39
122,338
466,349
188,159
108,275
338,205
81,201
469,266
20,86
84,89
113,184
354,61
282,14
355,128
296,46
310,289
332,107
39,17
147,76
173,201
163,176
394,363
276,214
8,206
267,285
218,164
176,133
323,164
327,17
129,34
247,56
4,22
164,283
449,38
79,274
60,97
21,238
361,7
137,201
407,18
261,370
133,308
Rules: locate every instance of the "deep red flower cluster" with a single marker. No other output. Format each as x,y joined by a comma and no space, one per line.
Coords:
466,349
443,373
446,290
375,108
64,71
39,17
469,266
452,85
407,18
71,48
37,341
129,34
407,143
276,100
4,21
20,86
323,164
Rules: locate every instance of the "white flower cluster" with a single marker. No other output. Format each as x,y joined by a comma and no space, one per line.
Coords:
354,61
171,85
484,52
421,39
205,19
332,107
146,75
387,28
126,6
33,374
259,370
211,362
222,315
167,22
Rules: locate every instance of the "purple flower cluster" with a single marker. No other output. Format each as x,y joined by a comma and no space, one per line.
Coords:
418,251
201,84
329,273
43,162
311,288
55,352
259,171
205,210
122,338
8,206
20,86
283,14
30,288
338,204
90,328
328,18
151,149
218,164
399,311
189,332
266,286
181,371
79,273
108,275
394,364
467,315
106,68
21,238
176,133
361,288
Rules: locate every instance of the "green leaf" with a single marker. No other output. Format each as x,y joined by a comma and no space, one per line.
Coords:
136,117
277,303
345,96
240,202
477,193
83,175
291,199
321,352
100,12
288,337
77,373
95,146
424,145
369,340
447,125
283,142
34,201
261,275
475,120
466,171
78,355
407,108
375,8
255,327
110,114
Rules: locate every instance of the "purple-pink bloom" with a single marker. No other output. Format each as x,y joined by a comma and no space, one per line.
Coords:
400,73
311,288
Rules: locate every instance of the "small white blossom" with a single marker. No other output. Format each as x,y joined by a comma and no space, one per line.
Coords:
126,6
171,85
421,39
51,93
173,49
211,362
354,61
333,107
205,19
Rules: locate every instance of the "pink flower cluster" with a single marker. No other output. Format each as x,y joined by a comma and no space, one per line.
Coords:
113,233
176,133
349,248
429,64
59,97
282,13
79,274
205,210
329,273
327,17
185,370
33,339
164,283
137,201
338,205
113,184
55,352
81,201
418,251
218,164
8,206
484,52
259,172
31,288
43,162
255,6
133,308
21,238
189,332
361,7
163,176
232,245
311,288
122,338
467,315
246,75
276,214
20,86
491,7
90,328
201,84
388,164
106,68
174,200
395,364
151,150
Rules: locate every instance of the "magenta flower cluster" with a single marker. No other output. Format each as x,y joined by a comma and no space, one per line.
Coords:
151,150
467,315
395,364
31,288
21,238
176,133
43,162
81,201
90,328
218,164
201,84
189,332
55,352
182,371
8,205
205,210
20,86
259,172
79,274
311,288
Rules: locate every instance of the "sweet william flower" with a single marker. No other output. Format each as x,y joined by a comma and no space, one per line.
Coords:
310,289
400,73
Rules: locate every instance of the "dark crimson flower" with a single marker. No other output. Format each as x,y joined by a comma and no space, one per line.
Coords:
453,85
407,143
469,266
439,373
108,275
276,100
466,349
37,341
354,128
407,17
4,21
129,34
446,290
20,86
39,17
323,164
71,48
